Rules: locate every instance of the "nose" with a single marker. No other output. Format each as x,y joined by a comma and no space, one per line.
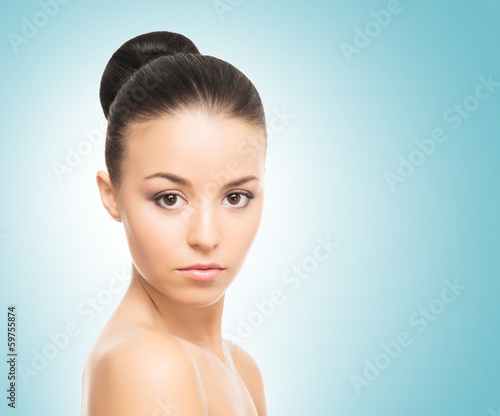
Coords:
203,228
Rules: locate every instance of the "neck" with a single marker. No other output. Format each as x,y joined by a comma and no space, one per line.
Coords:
197,325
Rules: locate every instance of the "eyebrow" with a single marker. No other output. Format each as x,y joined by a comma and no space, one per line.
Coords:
181,181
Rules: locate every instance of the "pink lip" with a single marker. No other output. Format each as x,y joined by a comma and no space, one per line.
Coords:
209,271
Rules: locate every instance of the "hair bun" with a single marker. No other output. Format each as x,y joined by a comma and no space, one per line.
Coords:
135,53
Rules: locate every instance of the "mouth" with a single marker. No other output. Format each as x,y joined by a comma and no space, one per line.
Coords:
209,271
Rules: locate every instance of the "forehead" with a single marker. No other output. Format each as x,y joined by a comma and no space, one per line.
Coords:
193,145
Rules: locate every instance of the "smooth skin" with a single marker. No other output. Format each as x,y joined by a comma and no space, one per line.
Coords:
162,351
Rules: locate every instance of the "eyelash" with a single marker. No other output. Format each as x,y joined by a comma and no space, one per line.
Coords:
158,198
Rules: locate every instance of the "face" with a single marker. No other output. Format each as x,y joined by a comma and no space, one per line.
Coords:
189,194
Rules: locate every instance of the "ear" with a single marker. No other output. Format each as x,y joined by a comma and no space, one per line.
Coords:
108,195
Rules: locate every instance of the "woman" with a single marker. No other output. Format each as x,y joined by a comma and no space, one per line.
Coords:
185,155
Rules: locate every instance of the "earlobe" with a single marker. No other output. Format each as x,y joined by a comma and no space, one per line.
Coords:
108,195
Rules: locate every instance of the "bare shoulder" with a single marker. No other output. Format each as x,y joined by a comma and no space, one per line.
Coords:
143,373
251,374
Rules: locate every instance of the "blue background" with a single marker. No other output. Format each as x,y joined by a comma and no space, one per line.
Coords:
350,118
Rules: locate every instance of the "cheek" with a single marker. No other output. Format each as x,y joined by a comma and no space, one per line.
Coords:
152,238
241,234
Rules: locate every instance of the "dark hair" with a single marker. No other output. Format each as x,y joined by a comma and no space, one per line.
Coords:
163,73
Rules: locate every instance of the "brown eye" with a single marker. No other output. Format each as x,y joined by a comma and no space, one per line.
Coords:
234,198
238,199
169,200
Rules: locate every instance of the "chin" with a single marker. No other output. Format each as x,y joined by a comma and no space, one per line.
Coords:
199,300
199,294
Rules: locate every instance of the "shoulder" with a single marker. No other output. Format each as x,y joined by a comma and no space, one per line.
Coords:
250,373
143,373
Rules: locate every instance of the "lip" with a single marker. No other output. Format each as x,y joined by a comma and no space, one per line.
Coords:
203,266
200,271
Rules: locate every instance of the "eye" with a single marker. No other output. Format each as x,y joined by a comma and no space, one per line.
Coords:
238,199
168,200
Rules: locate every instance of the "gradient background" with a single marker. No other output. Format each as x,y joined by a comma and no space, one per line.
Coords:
324,179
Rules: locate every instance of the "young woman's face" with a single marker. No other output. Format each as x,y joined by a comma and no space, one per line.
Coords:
178,205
